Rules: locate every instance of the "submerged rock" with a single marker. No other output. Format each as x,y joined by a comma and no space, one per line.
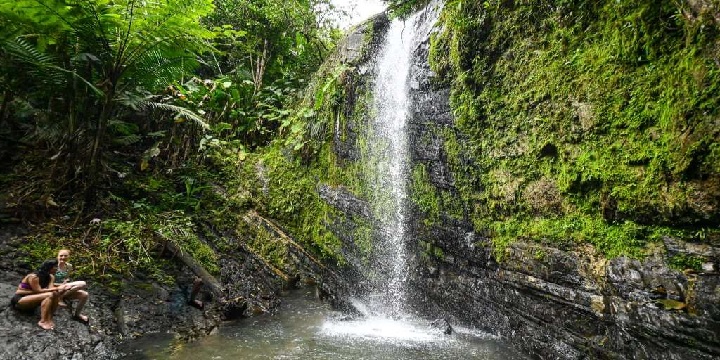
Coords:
442,325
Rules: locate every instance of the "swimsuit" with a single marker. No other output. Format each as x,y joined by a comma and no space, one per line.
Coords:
61,275
14,301
17,297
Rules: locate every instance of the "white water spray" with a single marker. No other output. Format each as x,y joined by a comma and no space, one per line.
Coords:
388,137
388,159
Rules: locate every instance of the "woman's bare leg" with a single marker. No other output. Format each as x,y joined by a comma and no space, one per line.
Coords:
82,297
28,302
74,287
47,308
47,303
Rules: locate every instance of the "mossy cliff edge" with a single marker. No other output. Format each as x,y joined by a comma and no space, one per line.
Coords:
565,173
585,121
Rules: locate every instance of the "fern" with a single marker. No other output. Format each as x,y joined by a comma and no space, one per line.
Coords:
127,139
43,69
180,112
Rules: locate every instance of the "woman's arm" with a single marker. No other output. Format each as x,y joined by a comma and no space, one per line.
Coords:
54,287
35,285
34,282
69,269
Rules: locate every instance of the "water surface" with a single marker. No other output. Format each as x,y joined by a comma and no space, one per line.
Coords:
303,328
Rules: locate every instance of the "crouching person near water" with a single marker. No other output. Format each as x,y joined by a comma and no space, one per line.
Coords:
75,289
38,289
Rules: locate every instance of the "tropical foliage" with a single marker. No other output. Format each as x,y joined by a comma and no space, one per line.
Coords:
115,110
73,70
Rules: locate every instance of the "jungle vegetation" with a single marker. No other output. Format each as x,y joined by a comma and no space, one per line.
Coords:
124,122
117,117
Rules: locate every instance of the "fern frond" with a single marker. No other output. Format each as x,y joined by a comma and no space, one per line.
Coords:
44,67
157,69
132,99
317,129
51,133
179,112
127,140
122,128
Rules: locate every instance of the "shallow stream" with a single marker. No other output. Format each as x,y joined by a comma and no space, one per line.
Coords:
303,328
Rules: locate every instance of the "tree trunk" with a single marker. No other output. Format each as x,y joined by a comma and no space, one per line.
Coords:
197,269
93,168
7,96
259,68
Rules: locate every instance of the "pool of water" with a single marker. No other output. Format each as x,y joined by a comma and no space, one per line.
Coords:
303,328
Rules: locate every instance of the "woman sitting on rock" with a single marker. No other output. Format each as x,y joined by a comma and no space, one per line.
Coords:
38,289
76,289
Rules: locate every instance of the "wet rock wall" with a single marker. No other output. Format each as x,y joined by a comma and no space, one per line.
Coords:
550,302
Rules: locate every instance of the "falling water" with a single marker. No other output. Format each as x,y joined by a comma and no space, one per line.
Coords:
388,176
308,329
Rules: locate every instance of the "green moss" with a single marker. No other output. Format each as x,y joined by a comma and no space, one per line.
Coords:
39,248
285,190
179,228
424,194
430,251
362,235
683,262
599,113
268,246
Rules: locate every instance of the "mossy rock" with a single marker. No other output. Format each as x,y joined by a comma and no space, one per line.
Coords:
670,304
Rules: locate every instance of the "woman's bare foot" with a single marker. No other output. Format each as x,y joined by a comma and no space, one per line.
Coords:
62,304
197,304
47,325
81,318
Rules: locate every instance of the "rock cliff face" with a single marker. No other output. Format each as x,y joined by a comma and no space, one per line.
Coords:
551,301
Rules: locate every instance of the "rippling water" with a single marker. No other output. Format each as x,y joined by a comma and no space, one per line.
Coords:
303,328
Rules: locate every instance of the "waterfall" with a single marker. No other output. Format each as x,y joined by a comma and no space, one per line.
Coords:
388,160
386,168
389,163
